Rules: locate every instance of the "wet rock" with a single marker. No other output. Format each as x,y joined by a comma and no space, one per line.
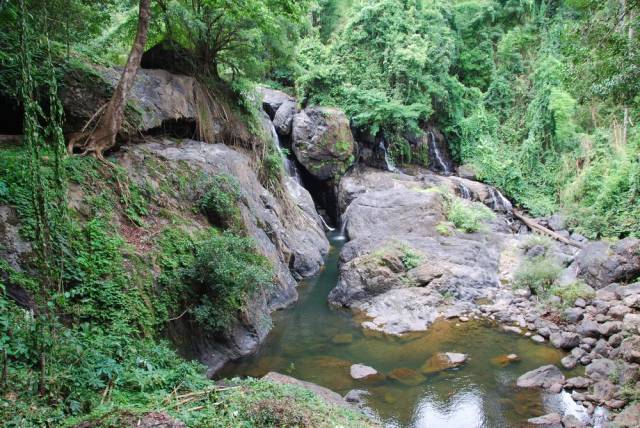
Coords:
360,371
588,328
630,349
273,99
570,421
542,377
504,360
406,376
555,388
538,338
610,328
564,340
443,361
569,362
629,417
320,391
512,329
551,420
356,396
342,339
283,118
578,382
322,141
600,369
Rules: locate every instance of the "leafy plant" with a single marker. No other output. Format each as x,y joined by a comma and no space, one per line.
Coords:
468,216
538,274
220,201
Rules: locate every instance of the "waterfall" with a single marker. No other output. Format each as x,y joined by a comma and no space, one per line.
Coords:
498,201
387,162
433,148
289,166
464,191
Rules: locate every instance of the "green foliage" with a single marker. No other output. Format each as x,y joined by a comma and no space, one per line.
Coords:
227,271
535,240
467,216
572,292
538,274
410,258
220,200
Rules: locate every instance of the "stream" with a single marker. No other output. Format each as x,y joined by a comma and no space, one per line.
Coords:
316,343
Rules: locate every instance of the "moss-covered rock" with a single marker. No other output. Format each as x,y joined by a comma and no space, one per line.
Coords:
322,141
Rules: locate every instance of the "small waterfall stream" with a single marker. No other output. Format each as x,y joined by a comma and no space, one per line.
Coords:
434,151
498,201
387,162
290,167
464,191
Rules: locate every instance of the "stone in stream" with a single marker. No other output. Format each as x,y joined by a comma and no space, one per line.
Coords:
360,371
578,382
504,360
406,376
537,338
571,421
512,329
443,361
542,377
342,339
601,369
551,420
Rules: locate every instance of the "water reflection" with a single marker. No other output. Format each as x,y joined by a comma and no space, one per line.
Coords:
315,343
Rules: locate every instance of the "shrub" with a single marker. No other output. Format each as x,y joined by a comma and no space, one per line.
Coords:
226,271
539,274
220,202
571,292
410,258
444,228
468,216
537,240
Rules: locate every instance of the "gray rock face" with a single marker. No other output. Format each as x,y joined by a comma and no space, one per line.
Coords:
272,99
283,118
397,268
630,349
322,141
601,263
542,377
557,222
158,96
295,245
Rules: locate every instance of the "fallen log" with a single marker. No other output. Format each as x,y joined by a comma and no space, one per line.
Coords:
536,226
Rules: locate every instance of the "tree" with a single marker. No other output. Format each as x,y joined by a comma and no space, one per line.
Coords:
104,137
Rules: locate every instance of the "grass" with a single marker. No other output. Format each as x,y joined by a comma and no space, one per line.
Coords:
467,216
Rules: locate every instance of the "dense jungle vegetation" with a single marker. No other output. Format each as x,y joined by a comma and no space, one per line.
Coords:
540,97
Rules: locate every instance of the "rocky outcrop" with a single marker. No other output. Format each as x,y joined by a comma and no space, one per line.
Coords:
292,237
601,263
542,377
397,269
158,97
280,107
322,142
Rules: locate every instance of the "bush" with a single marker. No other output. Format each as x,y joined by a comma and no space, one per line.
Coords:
468,216
538,274
572,292
226,271
410,258
220,202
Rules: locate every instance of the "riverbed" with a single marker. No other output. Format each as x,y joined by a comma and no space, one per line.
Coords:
317,343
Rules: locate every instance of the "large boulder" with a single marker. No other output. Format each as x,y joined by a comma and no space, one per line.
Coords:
157,98
542,377
397,268
322,141
280,107
291,237
601,263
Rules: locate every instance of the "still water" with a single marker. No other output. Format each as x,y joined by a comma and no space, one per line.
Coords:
314,342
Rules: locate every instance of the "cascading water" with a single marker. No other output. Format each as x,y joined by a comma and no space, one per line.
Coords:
498,201
289,166
434,151
387,162
464,191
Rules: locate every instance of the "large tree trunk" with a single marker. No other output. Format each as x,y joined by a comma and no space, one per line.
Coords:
104,137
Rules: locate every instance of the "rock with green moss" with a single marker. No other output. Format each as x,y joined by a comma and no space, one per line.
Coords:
322,141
